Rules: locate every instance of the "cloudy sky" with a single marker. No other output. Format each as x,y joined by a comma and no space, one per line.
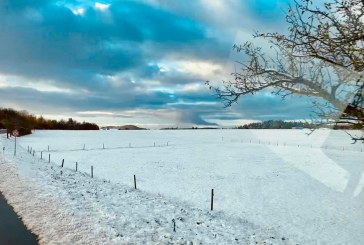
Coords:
141,62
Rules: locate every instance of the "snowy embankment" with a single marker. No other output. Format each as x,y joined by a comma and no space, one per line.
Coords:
63,206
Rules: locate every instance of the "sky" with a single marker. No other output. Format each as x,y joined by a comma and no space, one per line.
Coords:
142,62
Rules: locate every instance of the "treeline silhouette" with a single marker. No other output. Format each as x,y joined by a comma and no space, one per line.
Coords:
24,122
276,124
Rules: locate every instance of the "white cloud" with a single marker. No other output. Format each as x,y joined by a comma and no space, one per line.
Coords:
193,68
101,6
194,103
193,87
12,81
78,11
93,113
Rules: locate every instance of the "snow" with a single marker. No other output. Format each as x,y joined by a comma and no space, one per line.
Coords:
268,183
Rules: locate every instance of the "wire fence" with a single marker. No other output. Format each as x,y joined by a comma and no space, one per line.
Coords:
45,153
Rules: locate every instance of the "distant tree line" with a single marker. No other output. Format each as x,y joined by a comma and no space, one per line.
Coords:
24,122
276,124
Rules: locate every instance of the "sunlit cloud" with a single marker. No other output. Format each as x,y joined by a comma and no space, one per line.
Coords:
101,6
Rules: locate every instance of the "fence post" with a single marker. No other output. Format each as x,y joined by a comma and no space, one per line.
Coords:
76,166
15,147
49,158
92,171
48,147
212,199
62,162
41,155
174,225
135,182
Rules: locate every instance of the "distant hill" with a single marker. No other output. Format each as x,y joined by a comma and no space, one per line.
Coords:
125,127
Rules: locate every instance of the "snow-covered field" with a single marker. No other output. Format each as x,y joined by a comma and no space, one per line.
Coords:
271,186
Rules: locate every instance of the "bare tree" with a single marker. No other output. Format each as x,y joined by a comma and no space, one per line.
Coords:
322,57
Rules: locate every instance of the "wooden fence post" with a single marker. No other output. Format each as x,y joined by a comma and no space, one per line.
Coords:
135,182
49,158
174,225
92,171
15,146
62,162
212,199
41,155
76,166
